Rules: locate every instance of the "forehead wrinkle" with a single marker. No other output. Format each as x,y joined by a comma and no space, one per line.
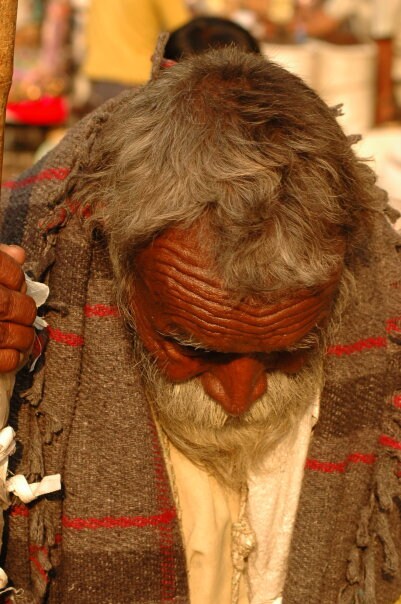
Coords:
207,313
196,299
187,268
185,263
183,249
171,274
211,329
189,272
276,320
186,257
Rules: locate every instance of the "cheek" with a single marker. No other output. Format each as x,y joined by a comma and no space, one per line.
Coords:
292,362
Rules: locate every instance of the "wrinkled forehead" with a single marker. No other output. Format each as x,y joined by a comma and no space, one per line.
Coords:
181,258
186,253
181,294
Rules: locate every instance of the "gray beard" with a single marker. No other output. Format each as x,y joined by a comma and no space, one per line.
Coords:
229,447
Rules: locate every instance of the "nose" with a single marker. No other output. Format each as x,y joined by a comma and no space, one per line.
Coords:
237,384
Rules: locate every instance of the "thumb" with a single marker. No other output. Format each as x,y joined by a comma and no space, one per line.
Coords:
15,251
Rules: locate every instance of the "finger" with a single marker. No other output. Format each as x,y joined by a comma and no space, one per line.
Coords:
10,360
15,251
18,337
16,307
11,274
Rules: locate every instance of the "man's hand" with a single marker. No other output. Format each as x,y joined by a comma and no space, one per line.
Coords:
17,310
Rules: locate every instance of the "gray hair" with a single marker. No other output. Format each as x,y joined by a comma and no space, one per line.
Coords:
236,141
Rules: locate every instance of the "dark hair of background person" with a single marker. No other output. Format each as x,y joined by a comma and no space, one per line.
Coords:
203,33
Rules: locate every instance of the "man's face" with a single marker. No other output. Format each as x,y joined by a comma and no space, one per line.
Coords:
192,328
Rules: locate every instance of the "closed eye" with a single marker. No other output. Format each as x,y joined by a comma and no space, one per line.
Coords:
188,348
195,350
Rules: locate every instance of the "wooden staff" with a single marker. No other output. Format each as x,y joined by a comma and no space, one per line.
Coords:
8,17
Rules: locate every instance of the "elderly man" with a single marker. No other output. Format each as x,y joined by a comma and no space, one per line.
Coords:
221,272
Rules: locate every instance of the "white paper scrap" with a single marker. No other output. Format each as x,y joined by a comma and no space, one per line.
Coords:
18,485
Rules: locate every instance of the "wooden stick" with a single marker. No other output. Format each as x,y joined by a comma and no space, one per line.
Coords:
8,16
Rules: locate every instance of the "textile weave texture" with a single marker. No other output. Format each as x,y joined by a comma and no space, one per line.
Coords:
113,535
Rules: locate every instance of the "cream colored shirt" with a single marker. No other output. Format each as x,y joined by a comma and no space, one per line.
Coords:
219,529
207,513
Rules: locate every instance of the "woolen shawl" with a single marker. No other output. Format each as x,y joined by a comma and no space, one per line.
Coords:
113,534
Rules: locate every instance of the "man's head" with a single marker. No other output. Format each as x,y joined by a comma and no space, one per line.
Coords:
233,138
228,378
233,205
194,327
207,32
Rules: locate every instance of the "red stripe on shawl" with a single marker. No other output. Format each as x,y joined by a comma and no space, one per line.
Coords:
101,310
330,467
33,548
397,401
19,510
166,535
393,324
48,174
39,568
387,441
110,522
23,511
366,458
63,337
345,349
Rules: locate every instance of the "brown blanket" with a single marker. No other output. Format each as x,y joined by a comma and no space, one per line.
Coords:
113,536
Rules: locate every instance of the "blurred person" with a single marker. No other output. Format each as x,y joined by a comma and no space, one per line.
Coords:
41,53
203,33
366,20
41,78
121,37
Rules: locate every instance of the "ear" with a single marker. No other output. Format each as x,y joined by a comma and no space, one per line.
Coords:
157,57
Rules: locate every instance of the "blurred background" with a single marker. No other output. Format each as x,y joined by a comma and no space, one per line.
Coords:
71,55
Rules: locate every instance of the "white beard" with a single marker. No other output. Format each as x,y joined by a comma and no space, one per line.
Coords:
229,446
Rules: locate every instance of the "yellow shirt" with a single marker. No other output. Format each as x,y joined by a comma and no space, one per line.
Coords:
122,34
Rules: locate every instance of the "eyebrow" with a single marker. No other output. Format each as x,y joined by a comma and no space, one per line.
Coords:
186,340
308,342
